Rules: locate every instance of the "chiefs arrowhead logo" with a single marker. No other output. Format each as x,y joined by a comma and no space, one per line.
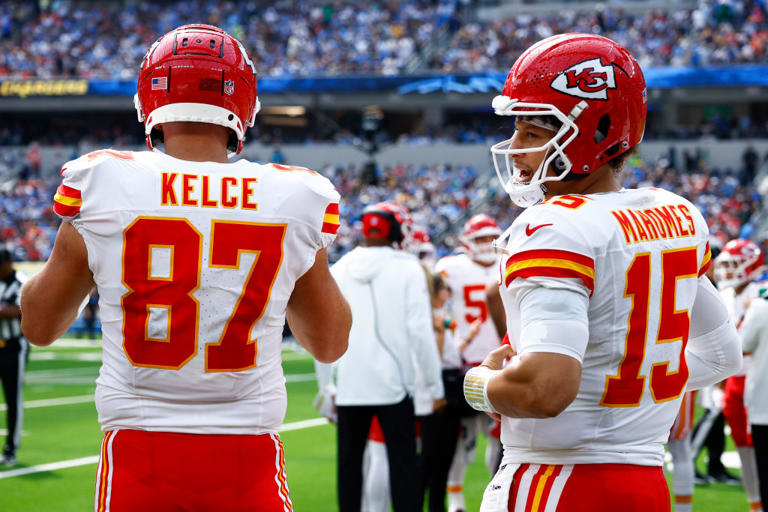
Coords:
589,79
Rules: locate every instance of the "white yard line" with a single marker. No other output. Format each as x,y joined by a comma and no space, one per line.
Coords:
79,399
52,466
49,402
83,461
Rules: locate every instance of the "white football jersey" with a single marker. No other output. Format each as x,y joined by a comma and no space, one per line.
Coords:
737,305
194,264
637,255
467,281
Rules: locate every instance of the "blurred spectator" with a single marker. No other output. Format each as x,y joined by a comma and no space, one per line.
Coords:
107,39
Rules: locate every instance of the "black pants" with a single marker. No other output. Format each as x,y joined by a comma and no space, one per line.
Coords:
13,361
439,432
397,424
709,432
760,440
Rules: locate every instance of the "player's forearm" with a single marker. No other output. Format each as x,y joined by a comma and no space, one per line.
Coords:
519,392
45,317
10,311
324,335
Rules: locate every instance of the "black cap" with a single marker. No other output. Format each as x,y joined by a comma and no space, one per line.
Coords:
5,255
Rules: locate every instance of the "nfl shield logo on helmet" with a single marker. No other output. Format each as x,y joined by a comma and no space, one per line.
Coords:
229,87
589,79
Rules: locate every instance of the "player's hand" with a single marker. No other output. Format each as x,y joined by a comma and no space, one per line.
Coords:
325,403
494,416
438,322
439,404
495,360
474,328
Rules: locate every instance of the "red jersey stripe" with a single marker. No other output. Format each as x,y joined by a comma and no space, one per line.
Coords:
70,192
551,254
706,261
549,271
333,209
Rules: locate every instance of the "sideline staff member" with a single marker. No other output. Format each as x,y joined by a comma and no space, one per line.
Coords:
13,354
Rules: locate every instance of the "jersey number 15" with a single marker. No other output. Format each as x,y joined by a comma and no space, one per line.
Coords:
626,388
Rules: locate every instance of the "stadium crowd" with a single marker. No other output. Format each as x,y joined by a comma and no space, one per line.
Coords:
108,39
440,197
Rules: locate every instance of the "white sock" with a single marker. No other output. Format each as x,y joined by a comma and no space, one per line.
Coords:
749,477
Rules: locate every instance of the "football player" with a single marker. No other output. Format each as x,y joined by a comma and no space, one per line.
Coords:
467,275
197,261
609,314
737,267
754,332
420,245
679,446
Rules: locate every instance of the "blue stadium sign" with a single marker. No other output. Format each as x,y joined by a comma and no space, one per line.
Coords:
485,83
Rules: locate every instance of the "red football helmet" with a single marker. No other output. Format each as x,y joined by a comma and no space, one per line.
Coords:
586,88
387,220
480,225
739,262
420,244
197,73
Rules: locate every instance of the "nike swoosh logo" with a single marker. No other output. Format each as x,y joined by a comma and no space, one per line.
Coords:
531,230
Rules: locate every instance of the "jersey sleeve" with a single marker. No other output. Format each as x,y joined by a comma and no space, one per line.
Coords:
68,199
706,261
319,201
547,248
329,220
75,178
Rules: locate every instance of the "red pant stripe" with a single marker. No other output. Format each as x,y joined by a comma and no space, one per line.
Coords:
104,473
280,476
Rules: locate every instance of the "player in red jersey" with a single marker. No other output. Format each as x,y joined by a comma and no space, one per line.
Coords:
198,262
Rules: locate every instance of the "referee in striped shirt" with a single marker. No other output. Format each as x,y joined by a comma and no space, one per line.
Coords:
13,353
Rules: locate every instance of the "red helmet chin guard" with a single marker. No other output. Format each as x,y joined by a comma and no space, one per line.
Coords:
197,73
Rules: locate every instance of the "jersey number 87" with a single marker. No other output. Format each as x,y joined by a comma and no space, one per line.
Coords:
234,351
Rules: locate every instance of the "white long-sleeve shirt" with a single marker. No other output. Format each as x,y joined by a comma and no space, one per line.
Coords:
392,336
754,337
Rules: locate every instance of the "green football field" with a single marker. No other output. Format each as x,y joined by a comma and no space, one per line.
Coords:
61,438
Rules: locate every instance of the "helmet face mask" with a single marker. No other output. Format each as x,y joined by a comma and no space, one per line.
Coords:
595,90
420,244
197,73
478,227
527,192
739,263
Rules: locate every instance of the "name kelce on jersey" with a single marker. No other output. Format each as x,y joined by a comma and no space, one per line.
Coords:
659,222
207,191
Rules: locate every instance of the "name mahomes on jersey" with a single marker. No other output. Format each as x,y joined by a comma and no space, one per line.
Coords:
638,256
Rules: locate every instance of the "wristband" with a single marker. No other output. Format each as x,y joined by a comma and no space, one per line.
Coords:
476,388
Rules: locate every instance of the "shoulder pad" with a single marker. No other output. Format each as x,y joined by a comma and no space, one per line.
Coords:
94,158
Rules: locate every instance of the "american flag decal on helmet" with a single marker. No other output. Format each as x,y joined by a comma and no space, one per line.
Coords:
331,219
67,201
160,83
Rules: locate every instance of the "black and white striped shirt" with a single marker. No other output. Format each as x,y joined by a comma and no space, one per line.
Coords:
10,328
